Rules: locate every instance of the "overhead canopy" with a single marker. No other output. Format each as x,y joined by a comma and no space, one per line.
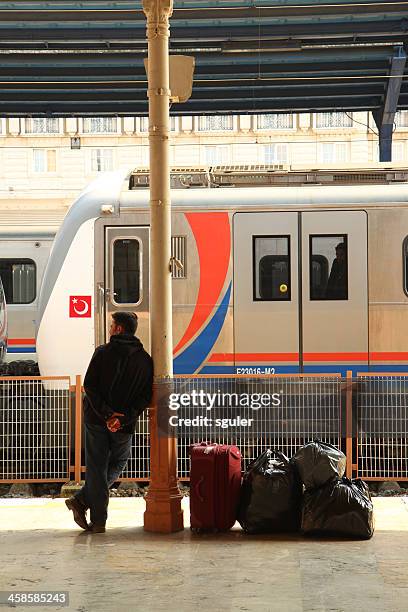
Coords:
75,58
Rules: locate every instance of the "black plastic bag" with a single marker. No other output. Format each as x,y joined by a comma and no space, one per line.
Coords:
319,462
271,495
341,507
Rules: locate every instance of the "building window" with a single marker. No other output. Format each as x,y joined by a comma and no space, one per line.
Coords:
333,152
42,125
19,280
328,267
276,153
144,124
271,268
398,151
101,160
216,123
275,121
100,125
126,270
401,119
334,120
216,155
44,160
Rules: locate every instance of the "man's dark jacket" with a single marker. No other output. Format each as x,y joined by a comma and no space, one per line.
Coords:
337,284
119,379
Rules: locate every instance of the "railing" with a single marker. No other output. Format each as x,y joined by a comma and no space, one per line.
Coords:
138,466
309,406
41,437
35,429
381,426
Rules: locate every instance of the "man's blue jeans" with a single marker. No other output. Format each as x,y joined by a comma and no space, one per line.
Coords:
106,455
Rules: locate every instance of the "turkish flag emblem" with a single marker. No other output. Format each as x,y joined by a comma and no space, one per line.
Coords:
80,306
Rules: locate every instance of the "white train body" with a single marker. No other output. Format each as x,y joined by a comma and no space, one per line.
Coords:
26,239
253,293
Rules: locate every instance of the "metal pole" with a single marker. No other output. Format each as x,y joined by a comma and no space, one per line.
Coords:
78,428
349,423
163,500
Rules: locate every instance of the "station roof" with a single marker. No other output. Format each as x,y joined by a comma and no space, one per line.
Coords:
67,58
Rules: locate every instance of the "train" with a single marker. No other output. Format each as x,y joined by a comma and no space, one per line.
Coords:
3,324
26,240
274,271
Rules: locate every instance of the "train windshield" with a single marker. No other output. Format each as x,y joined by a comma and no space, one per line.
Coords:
3,323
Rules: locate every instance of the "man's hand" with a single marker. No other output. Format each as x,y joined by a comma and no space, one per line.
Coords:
113,423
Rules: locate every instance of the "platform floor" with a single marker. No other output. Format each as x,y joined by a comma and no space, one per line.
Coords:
129,569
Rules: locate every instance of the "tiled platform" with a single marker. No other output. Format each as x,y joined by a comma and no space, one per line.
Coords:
128,569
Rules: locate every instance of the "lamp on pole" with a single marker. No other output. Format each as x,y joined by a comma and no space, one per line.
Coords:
163,501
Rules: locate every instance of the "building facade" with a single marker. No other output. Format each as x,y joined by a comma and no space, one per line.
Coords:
45,162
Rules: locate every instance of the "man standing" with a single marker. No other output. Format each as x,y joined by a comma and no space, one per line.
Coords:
337,284
118,387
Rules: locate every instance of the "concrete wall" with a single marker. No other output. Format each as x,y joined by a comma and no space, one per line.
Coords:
302,143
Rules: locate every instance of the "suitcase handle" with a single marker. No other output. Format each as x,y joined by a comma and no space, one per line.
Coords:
201,444
197,489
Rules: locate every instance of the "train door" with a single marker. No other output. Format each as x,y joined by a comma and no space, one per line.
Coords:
300,291
334,291
127,276
266,292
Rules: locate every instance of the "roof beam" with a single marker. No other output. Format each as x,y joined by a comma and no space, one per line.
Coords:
385,116
21,107
194,30
73,57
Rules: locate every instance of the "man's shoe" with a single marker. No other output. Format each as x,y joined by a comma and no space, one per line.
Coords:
95,528
79,511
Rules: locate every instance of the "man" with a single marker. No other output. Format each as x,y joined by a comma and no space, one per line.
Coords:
337,284
118,387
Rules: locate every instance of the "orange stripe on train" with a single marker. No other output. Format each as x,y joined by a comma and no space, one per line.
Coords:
217,357
268,357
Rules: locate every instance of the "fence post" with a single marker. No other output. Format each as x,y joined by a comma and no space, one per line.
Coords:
349,423
78,428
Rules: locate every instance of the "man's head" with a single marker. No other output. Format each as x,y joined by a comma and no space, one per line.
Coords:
123,323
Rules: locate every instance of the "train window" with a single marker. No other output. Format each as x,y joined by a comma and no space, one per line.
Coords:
328,267
19,280
271,268
3,318
126,270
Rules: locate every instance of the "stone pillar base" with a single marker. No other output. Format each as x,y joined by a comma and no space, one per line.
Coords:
163,512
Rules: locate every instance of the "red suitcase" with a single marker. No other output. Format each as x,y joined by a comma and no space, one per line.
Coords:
215,484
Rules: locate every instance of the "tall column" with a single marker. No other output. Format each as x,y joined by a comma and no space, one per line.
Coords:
163,501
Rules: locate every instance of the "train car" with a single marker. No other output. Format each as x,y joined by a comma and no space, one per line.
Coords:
26,238
306,273
3,324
